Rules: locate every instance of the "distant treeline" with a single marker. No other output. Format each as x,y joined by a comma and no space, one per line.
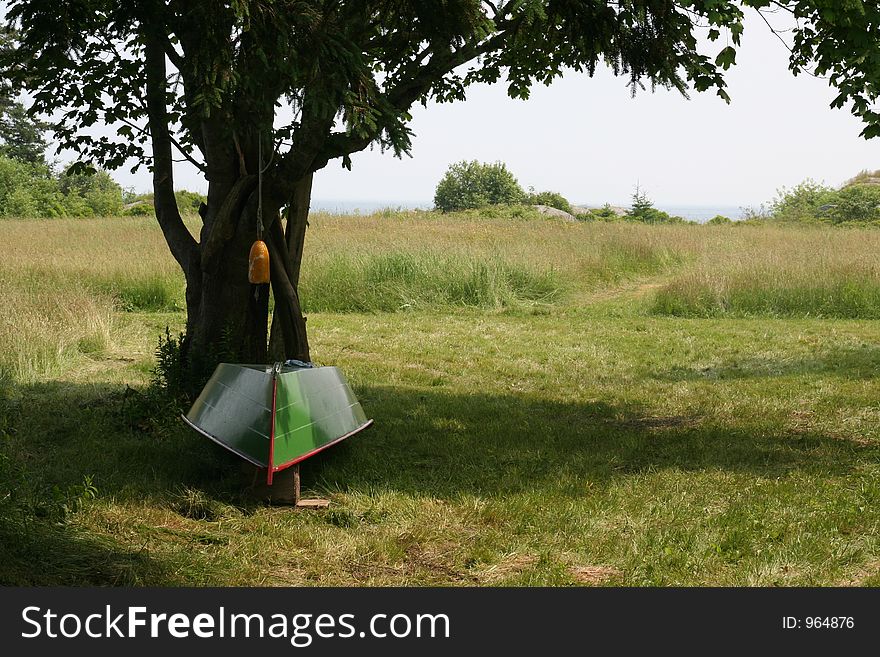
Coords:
35,189
483,186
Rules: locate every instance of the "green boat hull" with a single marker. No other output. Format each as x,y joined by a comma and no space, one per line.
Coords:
276,416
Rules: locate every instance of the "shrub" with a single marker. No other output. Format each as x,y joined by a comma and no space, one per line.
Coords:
468,185
188,202
605,213
855,203
32,190
655,216
142,204
28,190
753,216
719,219
504,212
140,209
90,193
553,199
801,202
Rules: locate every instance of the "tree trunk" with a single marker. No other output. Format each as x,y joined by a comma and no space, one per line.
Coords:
228,317
289,338
227,320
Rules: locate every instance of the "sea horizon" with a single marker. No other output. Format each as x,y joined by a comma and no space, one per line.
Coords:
692,212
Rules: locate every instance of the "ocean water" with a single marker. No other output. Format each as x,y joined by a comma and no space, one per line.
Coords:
337,206
703,213
699,213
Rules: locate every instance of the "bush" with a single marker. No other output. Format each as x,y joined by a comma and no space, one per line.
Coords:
857,202
718,220
605,213
468,185
140,209
32,190
655,216
28,190
553,199
140,205
187,202
504,212
90,194
801,202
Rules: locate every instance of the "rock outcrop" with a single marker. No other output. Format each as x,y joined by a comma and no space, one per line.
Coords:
554,212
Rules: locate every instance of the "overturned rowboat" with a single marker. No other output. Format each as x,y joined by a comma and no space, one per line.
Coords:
275,416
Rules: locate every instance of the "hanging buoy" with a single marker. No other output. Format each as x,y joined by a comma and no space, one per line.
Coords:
258,259
258,263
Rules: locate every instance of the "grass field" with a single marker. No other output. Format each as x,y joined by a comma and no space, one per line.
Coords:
555,404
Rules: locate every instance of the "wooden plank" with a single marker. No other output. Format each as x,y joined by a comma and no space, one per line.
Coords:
284,491
313,503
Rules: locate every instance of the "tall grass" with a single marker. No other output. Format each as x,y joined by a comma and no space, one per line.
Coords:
420,260
61,280
780,272
122,257
64,278
44,329
398,280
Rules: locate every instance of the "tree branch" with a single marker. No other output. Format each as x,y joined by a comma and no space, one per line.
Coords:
296,343
180,149
174,57
406,92
182,245
222,229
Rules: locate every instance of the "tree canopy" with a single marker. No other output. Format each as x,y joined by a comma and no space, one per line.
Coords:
359,66
21,135
307,81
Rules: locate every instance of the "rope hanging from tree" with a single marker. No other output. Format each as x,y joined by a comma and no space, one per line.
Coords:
258,259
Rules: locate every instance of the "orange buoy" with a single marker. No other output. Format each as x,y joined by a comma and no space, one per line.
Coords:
258,263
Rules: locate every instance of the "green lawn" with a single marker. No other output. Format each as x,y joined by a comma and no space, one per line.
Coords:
581,441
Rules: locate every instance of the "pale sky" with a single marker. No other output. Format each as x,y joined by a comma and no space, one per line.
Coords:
588,139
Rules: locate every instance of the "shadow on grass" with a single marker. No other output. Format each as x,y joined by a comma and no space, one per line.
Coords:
426,442
40,553
862,362
441,445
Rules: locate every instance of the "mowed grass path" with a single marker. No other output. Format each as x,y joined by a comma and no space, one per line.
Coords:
583,440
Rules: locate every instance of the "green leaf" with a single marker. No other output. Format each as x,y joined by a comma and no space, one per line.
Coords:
726,58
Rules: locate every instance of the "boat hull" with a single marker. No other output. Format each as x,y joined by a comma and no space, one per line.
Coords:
276,417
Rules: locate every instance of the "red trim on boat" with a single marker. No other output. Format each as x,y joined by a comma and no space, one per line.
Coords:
271,468
323,447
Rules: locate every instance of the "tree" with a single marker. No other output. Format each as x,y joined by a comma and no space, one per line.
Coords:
205,78
641,205
468,185
642,209
21,135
